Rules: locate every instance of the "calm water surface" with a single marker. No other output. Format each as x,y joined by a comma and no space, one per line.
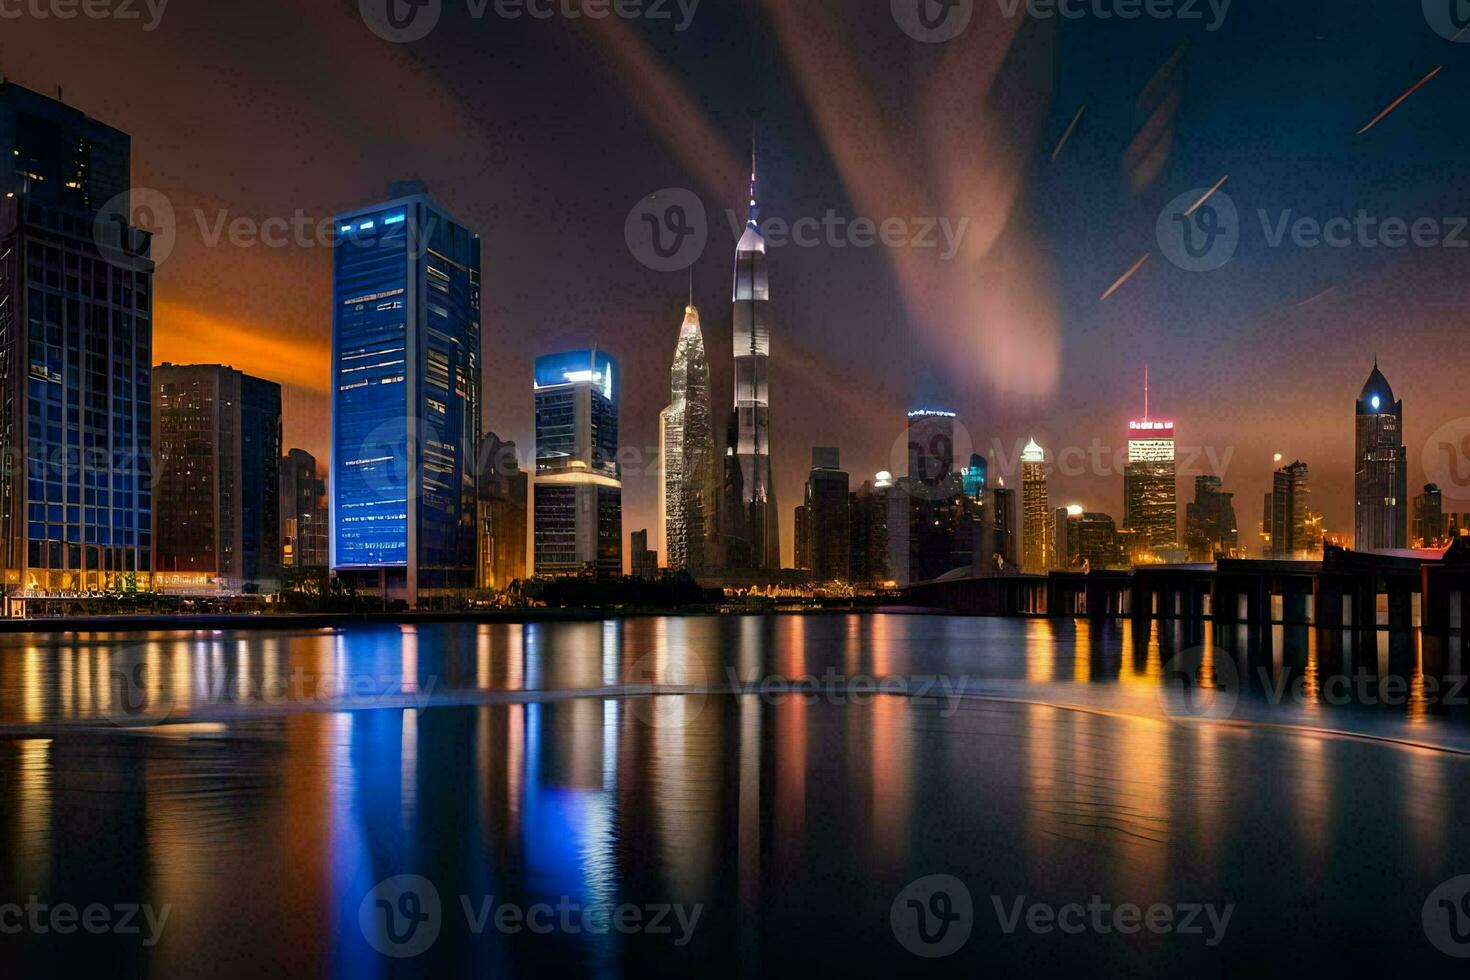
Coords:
262,785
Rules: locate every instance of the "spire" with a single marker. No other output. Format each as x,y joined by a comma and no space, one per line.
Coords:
691,287
1145,392
755,213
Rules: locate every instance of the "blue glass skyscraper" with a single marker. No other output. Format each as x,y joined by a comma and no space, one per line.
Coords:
76,333
405,398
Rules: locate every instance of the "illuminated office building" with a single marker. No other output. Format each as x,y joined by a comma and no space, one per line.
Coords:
751,528
76,307
1429,522
1037,532
688,484
868,534
1150,505
1003,552
217,508
1381,471
578,510
405,399
976,477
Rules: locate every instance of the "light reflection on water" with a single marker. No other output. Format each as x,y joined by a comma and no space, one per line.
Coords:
793,821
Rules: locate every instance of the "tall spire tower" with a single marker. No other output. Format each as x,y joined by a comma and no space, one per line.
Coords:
752,531
688,491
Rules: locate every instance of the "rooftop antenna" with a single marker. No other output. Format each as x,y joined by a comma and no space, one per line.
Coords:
691,285
1145,392
754,211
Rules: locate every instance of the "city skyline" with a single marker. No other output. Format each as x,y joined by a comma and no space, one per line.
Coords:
1336,306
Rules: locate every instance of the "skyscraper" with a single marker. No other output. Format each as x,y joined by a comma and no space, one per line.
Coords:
218,509
828,518
976,477
1288,513
931,449
405,398
504,493
1150,504
76,308
1002,518
1429,523
303,512
1381,473
1037,532
868,537
688,488
578,507
1210,526
751,532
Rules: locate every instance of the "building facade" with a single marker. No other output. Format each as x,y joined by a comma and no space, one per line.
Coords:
76,337
828,518
1150,493
217,512
405,399
750,533
1037,533
1210,525
1381,470
1429,523
645,559
504,494
303,498
578,508
688,481
1287,514
868,533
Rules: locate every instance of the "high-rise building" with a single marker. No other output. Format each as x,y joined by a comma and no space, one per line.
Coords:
688,483
405,398
1210,525
1090,539
1429,522
828,518
217,513
303,512
645,559
1005,544
931,448
868,534
1037,531
1288,512
504,494
76,315
579,484
751,529
1381,471
803,539
976,477
1150,504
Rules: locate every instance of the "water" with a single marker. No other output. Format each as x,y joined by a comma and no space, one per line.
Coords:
737,828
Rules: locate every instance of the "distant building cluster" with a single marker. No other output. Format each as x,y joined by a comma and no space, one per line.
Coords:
174,478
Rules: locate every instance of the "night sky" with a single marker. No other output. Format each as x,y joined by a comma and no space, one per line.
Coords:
542,135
